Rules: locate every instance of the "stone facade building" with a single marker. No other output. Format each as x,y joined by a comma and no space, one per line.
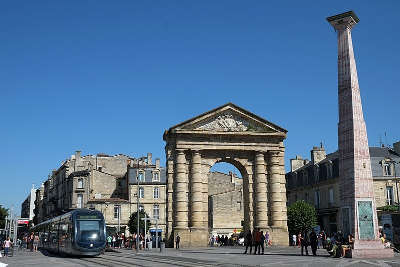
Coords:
94,182
28,206
225,203
317,181
109,184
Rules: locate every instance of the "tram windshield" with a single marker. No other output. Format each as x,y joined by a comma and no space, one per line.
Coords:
89,230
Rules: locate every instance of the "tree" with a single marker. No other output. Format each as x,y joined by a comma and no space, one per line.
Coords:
301,217
132,224
3,215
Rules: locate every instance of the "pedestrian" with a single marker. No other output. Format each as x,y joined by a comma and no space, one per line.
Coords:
294,240
7,245
313,242
323,239
114,241
299,237
267,241
35,242
109,240
248,241
257,241
177,241
304,240
262,241
31,240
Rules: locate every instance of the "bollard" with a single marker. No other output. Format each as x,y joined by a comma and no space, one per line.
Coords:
162,247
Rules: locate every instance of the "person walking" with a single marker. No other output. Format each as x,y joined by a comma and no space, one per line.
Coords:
294,240
7,245
109,240
314,242
257,241
304,241
262,241
177,241
114,239
267,241
248,241
35,242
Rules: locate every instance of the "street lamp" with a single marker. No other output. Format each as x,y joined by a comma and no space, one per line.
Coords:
137,204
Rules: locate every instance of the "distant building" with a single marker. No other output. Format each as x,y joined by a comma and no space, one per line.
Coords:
151,191
28,206
317,181
225,203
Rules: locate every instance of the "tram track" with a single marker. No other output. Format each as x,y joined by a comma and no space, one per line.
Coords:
168,260
111,263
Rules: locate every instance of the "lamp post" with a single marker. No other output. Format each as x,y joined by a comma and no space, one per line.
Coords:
145,219
137,204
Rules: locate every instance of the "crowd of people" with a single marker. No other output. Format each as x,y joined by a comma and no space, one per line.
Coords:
335,243
117,241
257,240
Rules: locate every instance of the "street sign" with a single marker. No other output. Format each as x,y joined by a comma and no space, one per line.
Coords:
23,221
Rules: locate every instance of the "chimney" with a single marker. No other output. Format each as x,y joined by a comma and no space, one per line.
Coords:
296,163
232,177
149,160
396,147
318,154
157,163
77,154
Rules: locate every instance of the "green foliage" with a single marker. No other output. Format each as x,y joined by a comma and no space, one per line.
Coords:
132,224
3,215
301,217
390,208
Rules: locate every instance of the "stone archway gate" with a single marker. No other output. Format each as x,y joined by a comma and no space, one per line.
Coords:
225,134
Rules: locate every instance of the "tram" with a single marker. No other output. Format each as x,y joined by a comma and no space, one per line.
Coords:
81,232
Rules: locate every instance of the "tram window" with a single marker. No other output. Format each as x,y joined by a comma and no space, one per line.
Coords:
88,229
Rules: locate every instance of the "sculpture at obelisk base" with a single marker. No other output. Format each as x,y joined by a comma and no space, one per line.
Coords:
358,211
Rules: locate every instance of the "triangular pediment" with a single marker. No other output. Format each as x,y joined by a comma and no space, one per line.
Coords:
228,118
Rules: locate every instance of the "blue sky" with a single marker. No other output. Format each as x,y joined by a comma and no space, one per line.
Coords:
111,76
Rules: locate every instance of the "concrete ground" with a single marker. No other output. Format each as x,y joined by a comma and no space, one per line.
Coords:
225,256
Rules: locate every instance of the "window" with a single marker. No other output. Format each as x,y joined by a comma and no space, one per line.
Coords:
306,197
387,169
156,192
156,176
141,176
79,201
331,199
141,192
156,212
80,183
117,211
316,199
389,195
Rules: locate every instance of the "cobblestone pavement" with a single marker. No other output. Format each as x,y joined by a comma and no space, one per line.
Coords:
223,257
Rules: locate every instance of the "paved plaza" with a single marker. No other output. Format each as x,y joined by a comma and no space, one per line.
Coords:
231,256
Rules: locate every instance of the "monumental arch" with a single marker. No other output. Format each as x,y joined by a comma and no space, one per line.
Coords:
226,134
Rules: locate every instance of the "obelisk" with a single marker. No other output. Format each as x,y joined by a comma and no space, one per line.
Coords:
357,214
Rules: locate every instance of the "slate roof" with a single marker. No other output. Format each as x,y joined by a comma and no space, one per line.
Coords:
148,176
377,154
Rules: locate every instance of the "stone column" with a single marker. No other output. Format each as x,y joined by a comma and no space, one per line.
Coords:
261,192
196,191
357,201
181,195
275,189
